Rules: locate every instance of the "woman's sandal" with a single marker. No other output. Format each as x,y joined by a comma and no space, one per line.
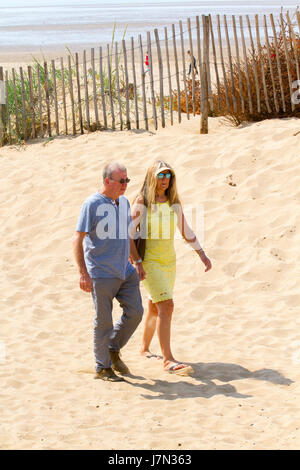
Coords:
153,356
184,370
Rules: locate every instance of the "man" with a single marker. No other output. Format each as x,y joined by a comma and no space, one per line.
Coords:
101,247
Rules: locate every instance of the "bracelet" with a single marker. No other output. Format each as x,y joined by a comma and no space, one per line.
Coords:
138,261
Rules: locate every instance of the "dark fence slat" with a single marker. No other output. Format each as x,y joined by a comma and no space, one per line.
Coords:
234,102
86,93
24,116
246,66
151,79
71,91
128,124
223,64
118,86
262,64
177,73
287,61
143,82
192,64
169,76
55,97
278,62
267,44
184,71
46,86
8,119
63,89
94,88
237,53
161,75
102,88
78,93
134,86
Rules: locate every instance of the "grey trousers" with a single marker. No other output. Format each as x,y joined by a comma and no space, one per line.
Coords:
108,336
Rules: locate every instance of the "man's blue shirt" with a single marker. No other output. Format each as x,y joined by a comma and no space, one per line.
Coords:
107,241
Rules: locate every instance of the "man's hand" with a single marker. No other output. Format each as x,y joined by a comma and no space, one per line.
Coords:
85,282
140,270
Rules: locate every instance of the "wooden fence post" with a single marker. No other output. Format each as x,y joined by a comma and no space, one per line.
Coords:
222,64
102,88
234,102
111,101
200,60
246,66
278,62
79,93
23,105
7,108
215,60
237,52
137,123
71,94
64,93
118,86
86,93
2,108
287,61
262,64
270,65
55,96
128,125
143,82
169,77
161,76
254,66
151,78
192,65
184,72
204,87
46,85
177,74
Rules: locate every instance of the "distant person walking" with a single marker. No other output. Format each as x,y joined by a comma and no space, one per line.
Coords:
192,63
146,63
101,247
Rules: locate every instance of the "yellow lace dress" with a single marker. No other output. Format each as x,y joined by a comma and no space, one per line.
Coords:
160,258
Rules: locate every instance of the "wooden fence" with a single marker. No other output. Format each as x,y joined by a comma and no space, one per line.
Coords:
112,88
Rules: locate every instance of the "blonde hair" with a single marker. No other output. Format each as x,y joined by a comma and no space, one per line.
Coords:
148,189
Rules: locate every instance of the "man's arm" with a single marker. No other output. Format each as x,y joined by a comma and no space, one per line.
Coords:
85,281
135,257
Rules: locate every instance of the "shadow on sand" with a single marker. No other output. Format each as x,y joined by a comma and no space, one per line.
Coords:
206,373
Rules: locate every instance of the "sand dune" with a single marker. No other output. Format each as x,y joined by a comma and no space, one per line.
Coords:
238,325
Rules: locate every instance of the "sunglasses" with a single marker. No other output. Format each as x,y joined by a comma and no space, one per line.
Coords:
162,175
122,180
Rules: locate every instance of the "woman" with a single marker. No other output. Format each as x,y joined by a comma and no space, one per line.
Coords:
158,210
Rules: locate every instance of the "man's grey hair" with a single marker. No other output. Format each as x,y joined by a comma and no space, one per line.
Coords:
110,168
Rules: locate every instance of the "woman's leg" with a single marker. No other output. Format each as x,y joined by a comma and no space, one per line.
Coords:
165,311
149,328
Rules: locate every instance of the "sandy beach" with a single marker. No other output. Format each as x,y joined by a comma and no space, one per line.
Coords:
237,325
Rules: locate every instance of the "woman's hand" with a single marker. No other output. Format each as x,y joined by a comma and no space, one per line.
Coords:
205,260
140,270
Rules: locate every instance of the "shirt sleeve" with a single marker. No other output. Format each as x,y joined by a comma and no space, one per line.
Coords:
85,221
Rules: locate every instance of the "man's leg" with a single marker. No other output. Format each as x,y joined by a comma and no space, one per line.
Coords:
129,297
104,290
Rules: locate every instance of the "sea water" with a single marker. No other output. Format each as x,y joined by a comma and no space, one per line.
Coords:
50,23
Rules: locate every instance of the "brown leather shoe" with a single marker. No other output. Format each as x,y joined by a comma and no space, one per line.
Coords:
108,375
117,363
